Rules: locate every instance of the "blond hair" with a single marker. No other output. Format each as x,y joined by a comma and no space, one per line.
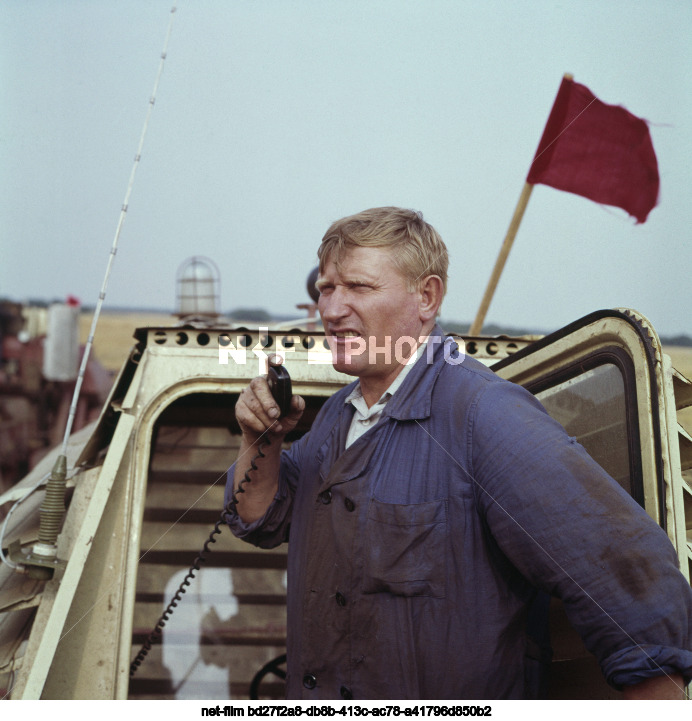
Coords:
417,248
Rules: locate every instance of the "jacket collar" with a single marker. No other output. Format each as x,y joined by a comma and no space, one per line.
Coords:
413,399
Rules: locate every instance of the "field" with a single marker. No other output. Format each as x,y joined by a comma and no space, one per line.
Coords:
115,334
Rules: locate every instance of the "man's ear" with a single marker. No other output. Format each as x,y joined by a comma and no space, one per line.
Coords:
431,291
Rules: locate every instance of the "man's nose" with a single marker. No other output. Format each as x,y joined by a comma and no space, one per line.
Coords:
333,307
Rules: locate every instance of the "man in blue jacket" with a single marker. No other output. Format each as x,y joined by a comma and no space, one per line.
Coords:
432,502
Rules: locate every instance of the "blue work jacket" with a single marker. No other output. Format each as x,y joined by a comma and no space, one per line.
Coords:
414,554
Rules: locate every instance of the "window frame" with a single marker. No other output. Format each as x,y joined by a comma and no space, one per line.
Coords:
623,338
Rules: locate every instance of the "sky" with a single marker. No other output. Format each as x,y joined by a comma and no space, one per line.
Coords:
274,118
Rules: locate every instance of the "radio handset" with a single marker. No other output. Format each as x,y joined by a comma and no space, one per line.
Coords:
279,382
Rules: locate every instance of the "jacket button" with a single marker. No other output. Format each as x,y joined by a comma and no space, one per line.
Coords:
340,598
346,693
309,681
350,505
326,497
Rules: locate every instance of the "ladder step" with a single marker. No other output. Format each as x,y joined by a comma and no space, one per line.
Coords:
218,559
220,637
253,599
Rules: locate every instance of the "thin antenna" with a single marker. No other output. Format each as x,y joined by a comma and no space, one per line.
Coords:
114,247
41,561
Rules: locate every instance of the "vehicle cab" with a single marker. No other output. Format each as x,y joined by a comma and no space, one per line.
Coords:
145,486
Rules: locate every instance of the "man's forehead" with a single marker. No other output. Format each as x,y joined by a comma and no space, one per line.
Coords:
359,260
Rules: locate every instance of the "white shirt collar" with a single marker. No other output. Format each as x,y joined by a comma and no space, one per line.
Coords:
356,395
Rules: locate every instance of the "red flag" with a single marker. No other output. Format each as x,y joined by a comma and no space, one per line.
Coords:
599,151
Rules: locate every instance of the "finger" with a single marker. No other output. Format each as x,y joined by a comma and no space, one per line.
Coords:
251,411
248,420
290,420
267,403
297,407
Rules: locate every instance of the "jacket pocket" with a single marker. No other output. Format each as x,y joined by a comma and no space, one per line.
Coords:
405,549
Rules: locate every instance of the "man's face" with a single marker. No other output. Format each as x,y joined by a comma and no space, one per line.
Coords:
370,317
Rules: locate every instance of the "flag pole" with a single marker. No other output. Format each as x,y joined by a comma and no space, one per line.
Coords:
501,259
477,324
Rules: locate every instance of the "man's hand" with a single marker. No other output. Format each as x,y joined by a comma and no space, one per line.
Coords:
257,414
671,687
